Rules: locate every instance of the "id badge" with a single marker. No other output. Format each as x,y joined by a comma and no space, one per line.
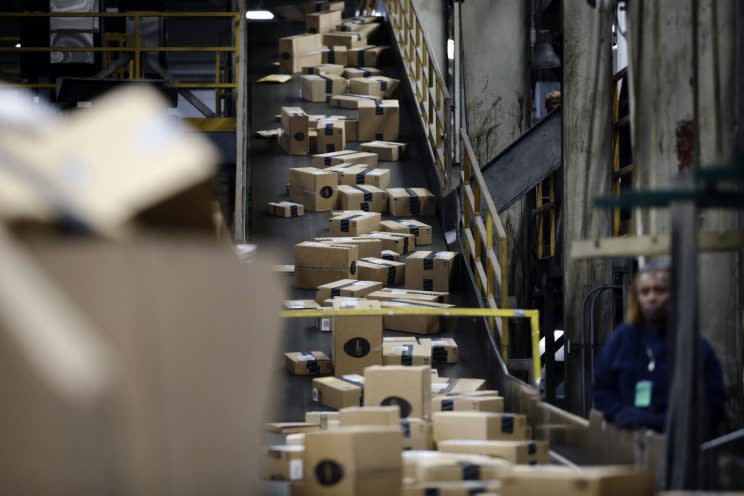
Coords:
643,394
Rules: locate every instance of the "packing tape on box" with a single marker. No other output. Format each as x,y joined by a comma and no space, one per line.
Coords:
406,357
415,202
360,56
405,240
428,285
405,425
383,86
328,87
507,424
367,195
379,110
337,290
413,227
429,260
447,405
331,55
470,471
392,270
438,354
293,211
360,177
345,222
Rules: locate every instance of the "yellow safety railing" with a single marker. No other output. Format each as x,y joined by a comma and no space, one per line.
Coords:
489,313
133,43
428,85
484,239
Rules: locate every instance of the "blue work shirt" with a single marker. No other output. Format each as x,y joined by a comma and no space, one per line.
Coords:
624,361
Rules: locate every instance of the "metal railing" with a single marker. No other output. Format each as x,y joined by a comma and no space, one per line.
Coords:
428,85
131,46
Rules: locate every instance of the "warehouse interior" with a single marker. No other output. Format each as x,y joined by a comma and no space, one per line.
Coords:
364,247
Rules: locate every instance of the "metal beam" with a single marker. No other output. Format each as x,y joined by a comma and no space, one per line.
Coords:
187,94
123,60
635,246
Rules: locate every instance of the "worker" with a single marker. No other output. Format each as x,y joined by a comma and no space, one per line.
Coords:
633,373
552,101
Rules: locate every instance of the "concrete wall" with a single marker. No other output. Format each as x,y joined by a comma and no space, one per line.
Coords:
434,21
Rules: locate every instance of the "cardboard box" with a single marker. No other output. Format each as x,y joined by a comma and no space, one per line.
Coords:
380,86
285,209
406,354
337,55
386,272
353,461
390,255
320,263
313,363
300,305
345,157
313,141
386,150
398,242
324,6
321,418
447,403
348,39
338,393
479,425
443,350
353,224
294,137
315,189
387,294
452,488
352,72
407,387
373,31
351,102
346,287
341,169
451,469
362,197
457,386
320,87
369,56
352,129
370,415
282,463
429,270
417,202
326,69
517,452
299,51
416,434
357,341
421,231
331,136
400,339
367,247
322,22
418,324
379,178
378,120
589,481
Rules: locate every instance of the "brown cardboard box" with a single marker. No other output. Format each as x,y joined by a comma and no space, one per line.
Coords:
387,294
479,425
312,141
346,287
390,255
369,56
443,350
352,72
321,418
295,130
313,363
341,169
451,469
379,178
320,263
322,22
352,129
351,102
354,224
328,69
362,197
417,202
367,247
300,305
337,55
315,188
452,488
331,136
380,86
386,150
400,339
373,32
457,386
386,272
282,463
320,87
429,270
338,393
407,387
345,157
357,341
406,354
353,461
324,6
378,120
418,324
517,452
447,403
398,242
299,51
416,434
421,231
369,415
589,481
285,209
348,39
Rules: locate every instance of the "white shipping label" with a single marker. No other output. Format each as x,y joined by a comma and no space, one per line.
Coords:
400,349
354,378
294,304
438,386
316,395
306,357
295,469
325,324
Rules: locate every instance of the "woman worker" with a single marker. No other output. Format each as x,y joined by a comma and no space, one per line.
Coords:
632,377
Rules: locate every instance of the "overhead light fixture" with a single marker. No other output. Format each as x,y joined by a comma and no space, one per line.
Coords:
451,49
18,45
259,15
